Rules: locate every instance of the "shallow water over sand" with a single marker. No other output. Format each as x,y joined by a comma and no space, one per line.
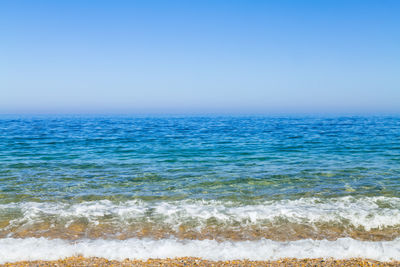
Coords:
365,218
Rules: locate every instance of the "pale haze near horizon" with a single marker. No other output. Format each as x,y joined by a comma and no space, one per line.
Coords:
200,57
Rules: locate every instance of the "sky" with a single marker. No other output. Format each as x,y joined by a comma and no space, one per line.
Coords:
226,56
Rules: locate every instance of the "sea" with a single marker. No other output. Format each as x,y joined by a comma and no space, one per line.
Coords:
215,187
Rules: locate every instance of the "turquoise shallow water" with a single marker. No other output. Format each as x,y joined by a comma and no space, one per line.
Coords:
218,178
76,158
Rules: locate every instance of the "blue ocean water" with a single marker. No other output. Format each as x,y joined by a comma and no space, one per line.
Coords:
210,178
236,158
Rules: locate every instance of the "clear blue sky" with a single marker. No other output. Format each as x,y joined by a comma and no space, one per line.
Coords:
200,56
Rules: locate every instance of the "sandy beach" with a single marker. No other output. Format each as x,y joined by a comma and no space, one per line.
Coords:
81,261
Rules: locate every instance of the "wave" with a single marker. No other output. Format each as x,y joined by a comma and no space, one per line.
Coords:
52,249
367,212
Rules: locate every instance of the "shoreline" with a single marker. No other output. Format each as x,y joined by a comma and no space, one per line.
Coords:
191,261
266,251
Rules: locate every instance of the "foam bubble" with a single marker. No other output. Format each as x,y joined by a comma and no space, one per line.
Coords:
52,249
366,212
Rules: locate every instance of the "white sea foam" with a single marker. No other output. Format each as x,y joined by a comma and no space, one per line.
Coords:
366,212
45,249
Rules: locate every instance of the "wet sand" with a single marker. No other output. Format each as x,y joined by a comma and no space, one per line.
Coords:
81,261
